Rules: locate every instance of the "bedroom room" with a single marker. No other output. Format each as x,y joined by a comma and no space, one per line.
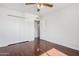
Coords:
39,29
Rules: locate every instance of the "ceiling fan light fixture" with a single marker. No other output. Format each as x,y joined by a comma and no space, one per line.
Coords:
39,6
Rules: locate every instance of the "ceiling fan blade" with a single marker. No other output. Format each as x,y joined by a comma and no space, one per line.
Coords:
48,5
29,3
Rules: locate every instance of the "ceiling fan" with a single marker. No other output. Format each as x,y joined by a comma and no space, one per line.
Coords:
40,5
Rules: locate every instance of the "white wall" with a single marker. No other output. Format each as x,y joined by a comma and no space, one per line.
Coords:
62,27
14,30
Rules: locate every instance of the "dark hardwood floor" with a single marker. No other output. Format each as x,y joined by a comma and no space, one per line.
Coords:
45,46
28,49
19,49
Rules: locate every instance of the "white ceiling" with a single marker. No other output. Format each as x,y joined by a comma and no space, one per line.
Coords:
32,9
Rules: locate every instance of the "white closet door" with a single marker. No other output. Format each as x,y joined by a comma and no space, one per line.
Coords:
14,30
